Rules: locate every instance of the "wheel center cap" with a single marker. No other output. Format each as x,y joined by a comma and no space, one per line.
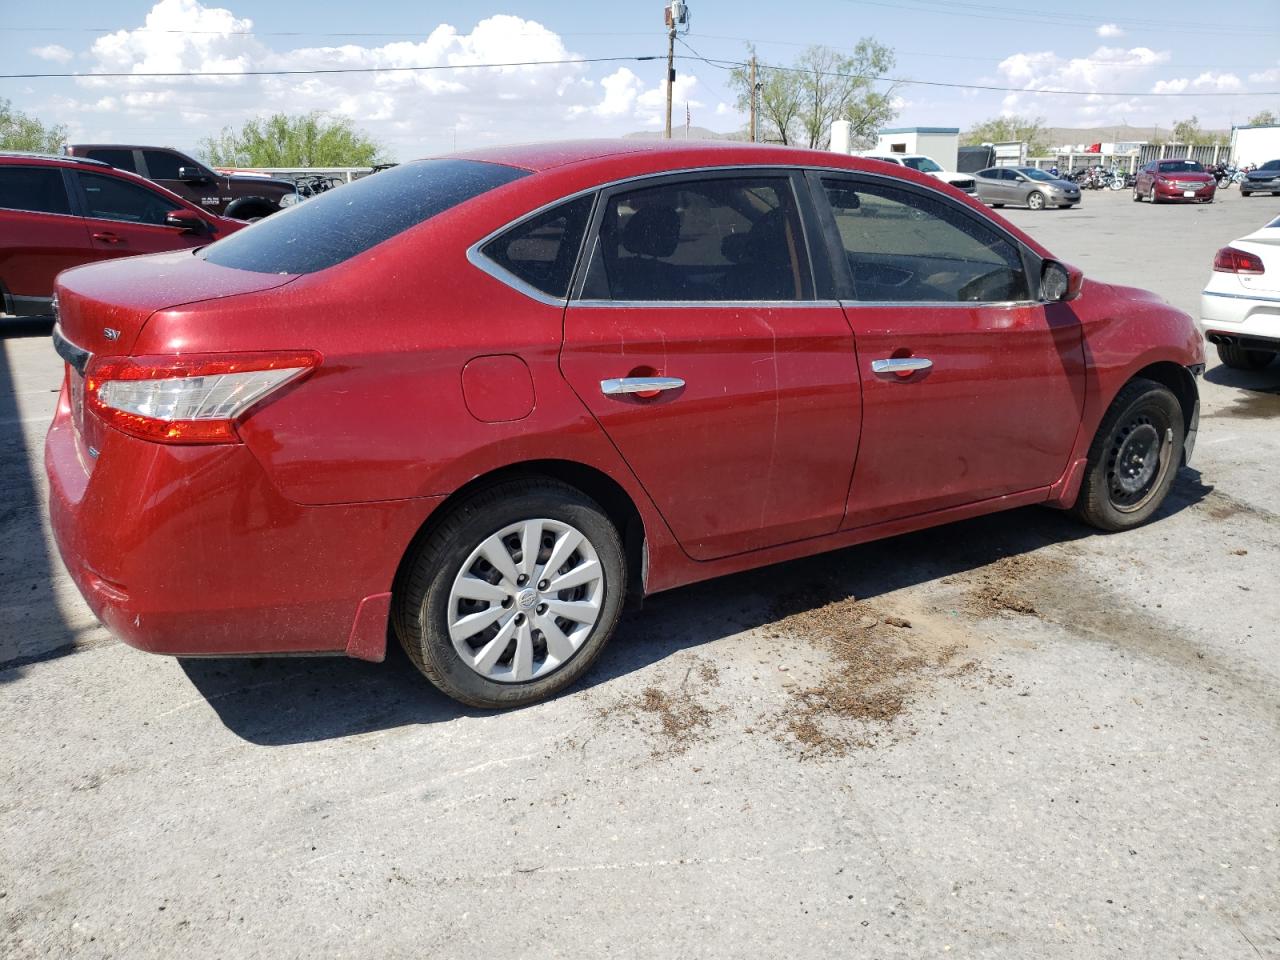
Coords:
526,598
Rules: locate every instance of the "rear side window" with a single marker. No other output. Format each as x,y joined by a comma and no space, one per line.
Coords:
37,189
161,165
717,239
114,198
348,220
120,159
543,250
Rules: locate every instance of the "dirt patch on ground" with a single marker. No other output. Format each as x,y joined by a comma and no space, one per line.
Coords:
877,664
676,717
1223,507
1008,585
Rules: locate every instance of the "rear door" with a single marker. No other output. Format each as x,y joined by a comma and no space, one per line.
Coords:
971,388
698,343
126,218
40,234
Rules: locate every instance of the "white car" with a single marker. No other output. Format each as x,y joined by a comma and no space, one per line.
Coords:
1240,306
918,161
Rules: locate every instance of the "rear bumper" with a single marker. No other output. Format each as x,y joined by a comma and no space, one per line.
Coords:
1231,316
192,551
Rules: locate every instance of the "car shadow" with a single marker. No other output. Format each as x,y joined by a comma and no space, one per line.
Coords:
280,701
1259,396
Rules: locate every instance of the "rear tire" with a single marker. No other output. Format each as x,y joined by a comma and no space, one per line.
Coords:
1238,358
1133,459
526,651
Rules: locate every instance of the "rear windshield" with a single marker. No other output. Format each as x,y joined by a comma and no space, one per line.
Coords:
349,219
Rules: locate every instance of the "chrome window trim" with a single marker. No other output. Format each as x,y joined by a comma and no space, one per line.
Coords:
695,304
949,304
41,213
484,264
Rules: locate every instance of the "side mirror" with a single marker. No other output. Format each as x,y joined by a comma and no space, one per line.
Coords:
188,221
1060,282
191,175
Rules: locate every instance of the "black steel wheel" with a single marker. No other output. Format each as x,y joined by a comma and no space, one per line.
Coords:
1134,457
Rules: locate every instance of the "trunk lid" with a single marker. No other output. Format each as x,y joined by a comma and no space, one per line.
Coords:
102,307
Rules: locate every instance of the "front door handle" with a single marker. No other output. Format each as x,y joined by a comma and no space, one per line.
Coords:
643,385
901,365
107,237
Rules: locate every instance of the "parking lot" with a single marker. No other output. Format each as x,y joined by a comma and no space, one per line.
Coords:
1012,736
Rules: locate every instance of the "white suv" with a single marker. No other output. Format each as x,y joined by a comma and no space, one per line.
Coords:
918,161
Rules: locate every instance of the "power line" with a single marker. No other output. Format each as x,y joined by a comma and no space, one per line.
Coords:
320,70
906,81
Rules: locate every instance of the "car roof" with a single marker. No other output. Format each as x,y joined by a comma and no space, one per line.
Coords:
538,157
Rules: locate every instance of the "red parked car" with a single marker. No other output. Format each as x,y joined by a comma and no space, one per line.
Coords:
488,398
59,212
1174,180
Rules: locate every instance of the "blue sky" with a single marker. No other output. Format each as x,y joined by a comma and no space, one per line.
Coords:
1107,49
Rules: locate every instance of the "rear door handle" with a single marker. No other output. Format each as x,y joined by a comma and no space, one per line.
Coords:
107,237
901,365
651,385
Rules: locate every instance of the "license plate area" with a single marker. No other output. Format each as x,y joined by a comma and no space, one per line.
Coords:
1188,193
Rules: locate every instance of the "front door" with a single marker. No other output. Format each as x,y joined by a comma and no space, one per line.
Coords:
971,389
208,194
697,344
126,219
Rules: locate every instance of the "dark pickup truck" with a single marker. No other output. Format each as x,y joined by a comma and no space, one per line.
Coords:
245,197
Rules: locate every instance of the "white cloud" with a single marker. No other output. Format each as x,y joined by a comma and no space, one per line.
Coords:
1105,74
1266,76
1217,82
1171,86
414,112
55,52
1109,31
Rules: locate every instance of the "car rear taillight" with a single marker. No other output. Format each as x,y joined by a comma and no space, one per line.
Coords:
188,399
1231,260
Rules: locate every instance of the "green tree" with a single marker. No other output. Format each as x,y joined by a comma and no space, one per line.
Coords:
1188,131
1029,130
21,132
280,140
1262,119
798,104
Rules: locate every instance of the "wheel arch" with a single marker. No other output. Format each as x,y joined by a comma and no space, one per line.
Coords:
242,203
595,483
1179,380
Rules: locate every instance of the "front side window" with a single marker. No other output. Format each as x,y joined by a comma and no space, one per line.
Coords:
162,165
35,189
904,246
1034,174
723,239
340,223
110,198
120,159
542,250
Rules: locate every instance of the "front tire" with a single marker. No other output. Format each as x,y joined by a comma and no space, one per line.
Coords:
1035,200
1238,358
1151,194
1133,459
513,596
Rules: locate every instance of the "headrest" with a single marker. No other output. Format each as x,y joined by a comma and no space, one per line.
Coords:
652,232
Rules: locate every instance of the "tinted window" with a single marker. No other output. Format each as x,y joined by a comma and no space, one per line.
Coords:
542,251
722,239
1270,165
1180,166
111,198
989,174
122,159
38,189
161,165
905,246
1008,175
350,219
923,164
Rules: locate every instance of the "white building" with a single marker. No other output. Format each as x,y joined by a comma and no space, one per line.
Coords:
940,143
1252,146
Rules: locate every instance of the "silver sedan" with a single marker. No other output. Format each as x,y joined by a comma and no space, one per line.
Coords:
1024,187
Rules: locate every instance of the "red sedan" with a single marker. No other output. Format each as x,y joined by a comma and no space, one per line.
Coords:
487,398
1162,181
60,212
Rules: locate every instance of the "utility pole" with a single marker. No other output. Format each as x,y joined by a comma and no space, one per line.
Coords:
753,96
676,16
